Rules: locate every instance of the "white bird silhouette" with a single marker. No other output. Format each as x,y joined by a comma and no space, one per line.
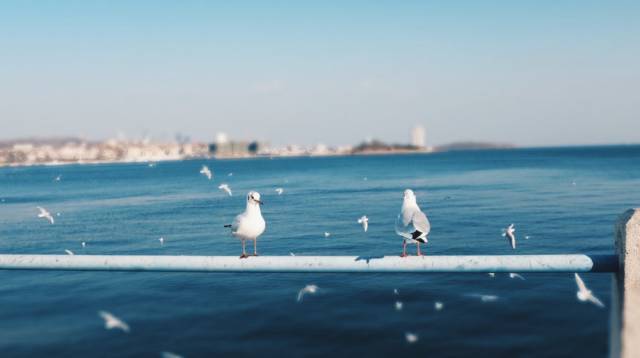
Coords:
364,220
45,214
113,322
58,178
327,234
492,274
311,289
509,233
279,191
398,306
250,224
484,298
169,355
69,252
412,224
411,337
438,306
515,275
161,240
584,294
225,187
206,172
84,244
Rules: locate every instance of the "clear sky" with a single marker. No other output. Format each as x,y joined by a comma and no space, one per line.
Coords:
525,72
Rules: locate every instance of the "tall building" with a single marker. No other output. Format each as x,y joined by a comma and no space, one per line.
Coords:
418,136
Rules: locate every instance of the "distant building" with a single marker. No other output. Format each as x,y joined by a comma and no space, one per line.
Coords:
225,148
418,137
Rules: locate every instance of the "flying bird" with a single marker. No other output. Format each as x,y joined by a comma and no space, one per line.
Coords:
84,244
169,355
412,224
584,294
515,275
398,306
279,191
364,221
45,214
327,234
113,322
311,289
411,337
161,240
250,224
206,172
438,306
225,187
58,178
509,233
69,252
492,274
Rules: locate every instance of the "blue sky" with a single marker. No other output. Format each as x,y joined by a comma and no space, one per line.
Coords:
530,73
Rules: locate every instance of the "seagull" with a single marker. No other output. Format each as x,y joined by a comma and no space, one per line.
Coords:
69,252
250,224
225,187
58,178
509,233
307,289
412,224
84,244
279,191
515,275
438,306
327,234
411,337
111,321
161,240
364,220
206,172
45,214
398,306
584,294
492,274
485,298
169,355
527,237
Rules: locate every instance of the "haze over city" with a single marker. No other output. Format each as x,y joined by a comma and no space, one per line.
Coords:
532,75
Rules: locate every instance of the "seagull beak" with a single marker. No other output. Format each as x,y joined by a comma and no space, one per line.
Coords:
260,202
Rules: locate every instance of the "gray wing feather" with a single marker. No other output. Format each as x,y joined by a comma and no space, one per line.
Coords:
420,222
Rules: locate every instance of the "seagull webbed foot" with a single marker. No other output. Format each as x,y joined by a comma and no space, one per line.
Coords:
244,256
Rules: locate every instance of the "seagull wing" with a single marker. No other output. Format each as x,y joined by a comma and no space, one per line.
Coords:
595,301
581,286
420,222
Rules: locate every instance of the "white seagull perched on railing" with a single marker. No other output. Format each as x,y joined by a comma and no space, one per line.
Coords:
509,233
225,187
584,294
112,322
45,214
364,221
412,224
206,172
250,224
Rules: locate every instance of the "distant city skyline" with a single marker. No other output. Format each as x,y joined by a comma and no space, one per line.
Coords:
532,74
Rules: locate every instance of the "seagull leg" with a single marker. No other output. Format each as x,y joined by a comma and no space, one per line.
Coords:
419,253
404,248
255,247
244,253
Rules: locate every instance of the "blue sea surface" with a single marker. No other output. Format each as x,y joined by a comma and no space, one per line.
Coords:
565,199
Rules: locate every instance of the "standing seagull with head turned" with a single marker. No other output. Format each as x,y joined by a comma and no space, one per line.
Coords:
412,224
250,224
